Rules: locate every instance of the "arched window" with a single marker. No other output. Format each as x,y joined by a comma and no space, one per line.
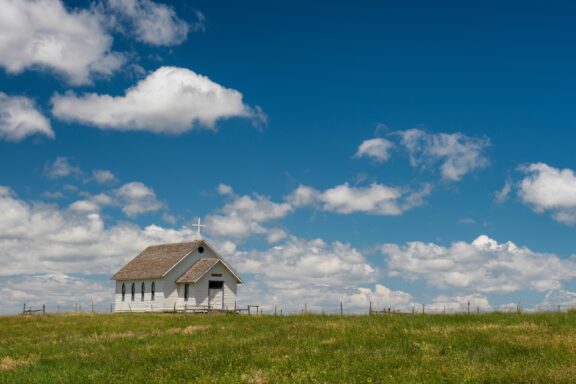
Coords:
153,291
143,289
133,291
186,291
123,291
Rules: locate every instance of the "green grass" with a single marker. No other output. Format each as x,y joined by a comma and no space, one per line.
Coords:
156,348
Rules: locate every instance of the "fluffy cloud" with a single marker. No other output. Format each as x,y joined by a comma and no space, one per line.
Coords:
376,149
170,100
457,153
246,215
42,238
54,290
502,195
103,176
444,303
546,188
19,118
312,272
60,168
376,199
136,198
44,34
483,265
149,22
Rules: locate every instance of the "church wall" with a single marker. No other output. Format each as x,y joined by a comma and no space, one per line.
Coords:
200,290
172,292
139,305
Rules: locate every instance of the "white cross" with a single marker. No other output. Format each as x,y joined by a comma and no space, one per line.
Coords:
199,226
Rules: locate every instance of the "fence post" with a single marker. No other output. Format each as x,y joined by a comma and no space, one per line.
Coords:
468,306
305,308
413,310
174,307
558,308
24,309
92,306
423,308
43,309
58,308
478,310
341,310
274,310
370,309
281,314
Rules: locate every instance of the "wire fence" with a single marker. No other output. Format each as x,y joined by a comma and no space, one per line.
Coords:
341,309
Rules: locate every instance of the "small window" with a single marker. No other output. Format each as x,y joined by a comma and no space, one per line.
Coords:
186,291
142,291
200,249
123,291
153,291
133,291
215,284
217,274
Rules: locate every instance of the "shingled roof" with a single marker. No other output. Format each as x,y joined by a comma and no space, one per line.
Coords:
197,270
155,261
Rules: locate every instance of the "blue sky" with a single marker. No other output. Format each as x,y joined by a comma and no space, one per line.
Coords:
337,152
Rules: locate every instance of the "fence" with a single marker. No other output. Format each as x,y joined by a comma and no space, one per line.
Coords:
342,309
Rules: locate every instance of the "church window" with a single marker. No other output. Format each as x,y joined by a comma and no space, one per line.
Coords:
133,291
142,291
153,291
215,284
186,291
123,291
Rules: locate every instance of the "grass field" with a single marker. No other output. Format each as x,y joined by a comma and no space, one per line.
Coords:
156,348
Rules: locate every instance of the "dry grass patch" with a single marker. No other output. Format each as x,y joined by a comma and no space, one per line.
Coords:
255,377
8,363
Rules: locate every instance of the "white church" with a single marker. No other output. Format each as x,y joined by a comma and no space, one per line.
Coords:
179,276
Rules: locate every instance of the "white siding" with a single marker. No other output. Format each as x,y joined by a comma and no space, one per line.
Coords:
139,305
201,287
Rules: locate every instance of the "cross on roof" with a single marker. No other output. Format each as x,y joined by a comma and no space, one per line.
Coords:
198,225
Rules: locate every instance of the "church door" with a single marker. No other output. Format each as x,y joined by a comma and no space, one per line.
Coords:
216,294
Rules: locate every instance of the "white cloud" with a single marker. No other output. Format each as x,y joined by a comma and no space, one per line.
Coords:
136,198
150,22
502,195
377,199
19,118
60,168
457,153
54,290
546,188
246,215
312,272
103,176
445,303
170,100
483,265
376,149
42,238
44,34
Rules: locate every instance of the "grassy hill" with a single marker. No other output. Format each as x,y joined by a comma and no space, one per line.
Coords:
157,348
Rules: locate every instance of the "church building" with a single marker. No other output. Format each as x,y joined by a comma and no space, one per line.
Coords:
180,276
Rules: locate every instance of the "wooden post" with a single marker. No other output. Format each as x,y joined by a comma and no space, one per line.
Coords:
92,306
43,309
281,314
558,308
274,310
305,308
468,306
341,310
24,309
423,308
413,310
174,307
261,311
478,310
58,308
370,308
